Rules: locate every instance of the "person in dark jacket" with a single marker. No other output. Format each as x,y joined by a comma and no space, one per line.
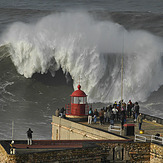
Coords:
140,120
95,115
112,118
129,108
122,118
62,112
101,115
136,109
29,136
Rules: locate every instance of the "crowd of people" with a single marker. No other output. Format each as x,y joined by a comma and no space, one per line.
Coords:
60,112
116,112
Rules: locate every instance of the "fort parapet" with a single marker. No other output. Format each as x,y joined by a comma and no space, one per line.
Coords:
76,142
83,151
63,129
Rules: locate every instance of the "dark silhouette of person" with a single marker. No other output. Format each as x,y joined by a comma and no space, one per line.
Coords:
62,112
140,120
122,118
101,115
29,136
136,109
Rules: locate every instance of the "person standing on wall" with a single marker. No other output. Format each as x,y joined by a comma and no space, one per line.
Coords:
57,112
129,108
29,136
95,115
136,109
112,118
140,120
122,119
101,115
90,114
62,112
115,112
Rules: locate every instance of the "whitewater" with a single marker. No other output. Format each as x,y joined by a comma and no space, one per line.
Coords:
90,51
48,47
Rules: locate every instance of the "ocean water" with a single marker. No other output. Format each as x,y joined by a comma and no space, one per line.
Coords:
48,47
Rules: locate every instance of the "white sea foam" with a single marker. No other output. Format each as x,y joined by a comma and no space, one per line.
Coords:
3,87
91,50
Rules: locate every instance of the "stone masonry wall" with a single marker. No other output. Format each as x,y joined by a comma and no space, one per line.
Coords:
3,154
131,151
156,153
5,157
100,152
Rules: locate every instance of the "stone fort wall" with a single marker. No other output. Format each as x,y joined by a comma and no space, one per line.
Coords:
102,151
98,146
63,129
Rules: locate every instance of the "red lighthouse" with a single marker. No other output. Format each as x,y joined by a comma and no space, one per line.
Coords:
78,109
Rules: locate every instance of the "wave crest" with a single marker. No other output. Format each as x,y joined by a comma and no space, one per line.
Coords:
90,50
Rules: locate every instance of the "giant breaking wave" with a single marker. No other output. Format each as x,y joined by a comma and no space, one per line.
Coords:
90,50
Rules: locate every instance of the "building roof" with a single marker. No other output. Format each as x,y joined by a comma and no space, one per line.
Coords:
78,93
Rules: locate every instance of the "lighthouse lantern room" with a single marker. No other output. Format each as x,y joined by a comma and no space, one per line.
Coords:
78,109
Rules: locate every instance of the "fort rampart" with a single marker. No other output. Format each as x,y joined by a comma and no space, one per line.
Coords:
91,150
74,142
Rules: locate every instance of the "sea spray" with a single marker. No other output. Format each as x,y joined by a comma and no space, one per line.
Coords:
90,50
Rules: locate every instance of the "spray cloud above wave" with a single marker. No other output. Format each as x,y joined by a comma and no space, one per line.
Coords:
91,50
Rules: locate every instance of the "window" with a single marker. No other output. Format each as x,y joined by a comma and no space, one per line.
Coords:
78,100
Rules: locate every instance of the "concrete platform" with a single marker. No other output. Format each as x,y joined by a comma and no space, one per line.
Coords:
150,128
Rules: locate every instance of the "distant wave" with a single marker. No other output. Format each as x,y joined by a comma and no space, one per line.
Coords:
90,50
